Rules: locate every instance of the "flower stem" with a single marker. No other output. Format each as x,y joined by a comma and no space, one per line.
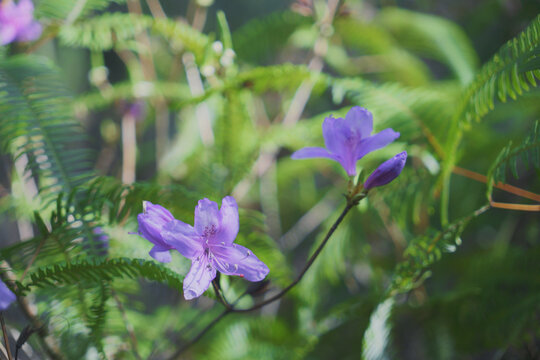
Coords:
229,308
349,206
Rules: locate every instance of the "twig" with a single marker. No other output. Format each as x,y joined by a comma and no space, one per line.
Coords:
349,206
220,296
351,202
6,339
509,206
505,187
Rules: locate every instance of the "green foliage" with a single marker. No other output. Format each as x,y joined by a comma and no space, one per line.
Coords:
509,157
426,250
351,301
432,36
71,10
261,38
109,269
510,73
37,123
120,30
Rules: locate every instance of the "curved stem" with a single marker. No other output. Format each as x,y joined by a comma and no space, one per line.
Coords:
229,308
349,206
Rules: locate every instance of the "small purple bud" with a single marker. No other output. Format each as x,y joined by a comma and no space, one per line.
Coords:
387,171
152,221
6,296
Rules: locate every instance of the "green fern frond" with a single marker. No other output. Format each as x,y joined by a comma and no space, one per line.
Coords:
63,9
108,270
127,91
511,72
260,38
432,36
97,315
120,29
411,111
424,251
37,122
528,151
280,78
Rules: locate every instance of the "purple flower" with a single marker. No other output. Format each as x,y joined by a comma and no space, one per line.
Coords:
6,296
348,140
387,171
210,246
17,22
151,223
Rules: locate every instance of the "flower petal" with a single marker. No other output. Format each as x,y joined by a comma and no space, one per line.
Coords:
6,296
182,237
375,142
152,221
387,171
337,135
240,261
311,152
361,120
30,32
207,217
198,278
229,222
7,34
160,254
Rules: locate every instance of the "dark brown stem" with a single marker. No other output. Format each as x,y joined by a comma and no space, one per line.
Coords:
6,339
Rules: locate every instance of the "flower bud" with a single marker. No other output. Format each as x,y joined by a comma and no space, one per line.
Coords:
151,222
387,171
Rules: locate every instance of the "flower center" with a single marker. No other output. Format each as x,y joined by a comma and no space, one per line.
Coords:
209,230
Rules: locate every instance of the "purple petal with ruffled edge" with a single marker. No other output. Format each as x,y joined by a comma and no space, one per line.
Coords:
207,217
376,142
199,277
387,171
182,237
6,296
229,222
152,221
239,260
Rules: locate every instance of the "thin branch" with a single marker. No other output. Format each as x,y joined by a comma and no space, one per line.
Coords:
220,296
509,206
352,201
348,207
505,187
6,338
